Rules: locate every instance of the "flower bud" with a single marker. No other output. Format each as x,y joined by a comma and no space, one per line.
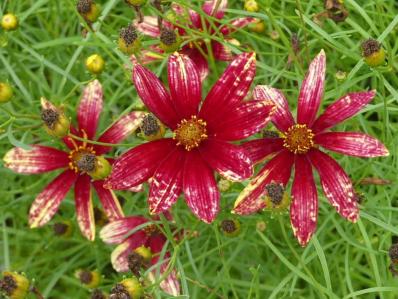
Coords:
63,228
9,22
251,6
373,53
6,92
261,226
152,128
89,10
101,170
90,279
14,285
95,64
257,26
136,2
127,288
224,185
170,40
129,41
274,35
230,227
340,75
55,121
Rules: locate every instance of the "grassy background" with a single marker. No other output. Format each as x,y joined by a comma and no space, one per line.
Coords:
45,57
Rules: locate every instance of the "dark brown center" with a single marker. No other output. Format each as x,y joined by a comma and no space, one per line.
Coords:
86,162
97,294
60,228
228,226
85,277
119,292
150,125
49,117
275,193
84,6
370,47
168,37
8,285
135,263
128,34
393,252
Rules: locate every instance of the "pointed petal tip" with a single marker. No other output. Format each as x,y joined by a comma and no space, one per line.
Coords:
322,53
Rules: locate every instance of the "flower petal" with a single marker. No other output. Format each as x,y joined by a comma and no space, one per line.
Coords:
259,149
312,90
120,130
84,207
184,11
342,109
149,26
47,202
277,170
185,85
116,231
38,159
243,120
236,24
200,62
282,118
119,256
109,201
69,141
138,164
215,8
166,184
231,88
304,206
336,185
228,159
90,108
221,51
155,96
200,188
352,144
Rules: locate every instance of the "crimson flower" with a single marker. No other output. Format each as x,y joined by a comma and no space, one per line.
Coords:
127,234
76,162
196,48
201,135
299,145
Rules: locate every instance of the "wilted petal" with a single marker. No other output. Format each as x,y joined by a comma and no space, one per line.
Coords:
120,130
221,51
149,26
90,108
185,85
342,109
352,144
259,149
277,170
47,202
37,160
166,184
312,90
109,201
116,231
215,8
236,24
200,188
228,159
200,62
282,118
84,207
138,164
304,206
336,185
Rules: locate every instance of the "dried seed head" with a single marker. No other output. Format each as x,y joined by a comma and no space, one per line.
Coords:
86,162
89,10
129,41
14,285
230,227
276,200
63,229
84,6
169,40
129,288
275,192
373,52
91,279
49,117
393,253
55,122
135,263
151,128
98,294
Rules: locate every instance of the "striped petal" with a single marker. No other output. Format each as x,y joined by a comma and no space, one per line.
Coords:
311,91
259,149
119,256
116,231
47,202
352,144
38,159
90,108
149,26
304,206
84,207
342,109
109,201
119,131
282,118
277,170
336,185
215,8
69,141
200,62
236,24
221,51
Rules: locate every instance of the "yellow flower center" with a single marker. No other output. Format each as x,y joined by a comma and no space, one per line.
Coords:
298,139
190,133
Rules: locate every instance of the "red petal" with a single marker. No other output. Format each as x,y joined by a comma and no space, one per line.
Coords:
352,144
200,188
312,90
138,164
183,11
221,51
200,62
155,96
47,202
336,185
148,27
304,206
68,140
185,85
259,149
342,109
236,24
119,256
282,118
109,201
84,207
120,130
243,120
166,184
277,170
90,108
231,88
228,159
215,8
116,231
37,160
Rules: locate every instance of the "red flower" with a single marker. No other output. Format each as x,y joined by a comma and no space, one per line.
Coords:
201,142
299,146
196,49
119,232
74,162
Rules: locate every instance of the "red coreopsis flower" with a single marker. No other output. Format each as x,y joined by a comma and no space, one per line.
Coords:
196,48
299,146
80,160
131,239
202,135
